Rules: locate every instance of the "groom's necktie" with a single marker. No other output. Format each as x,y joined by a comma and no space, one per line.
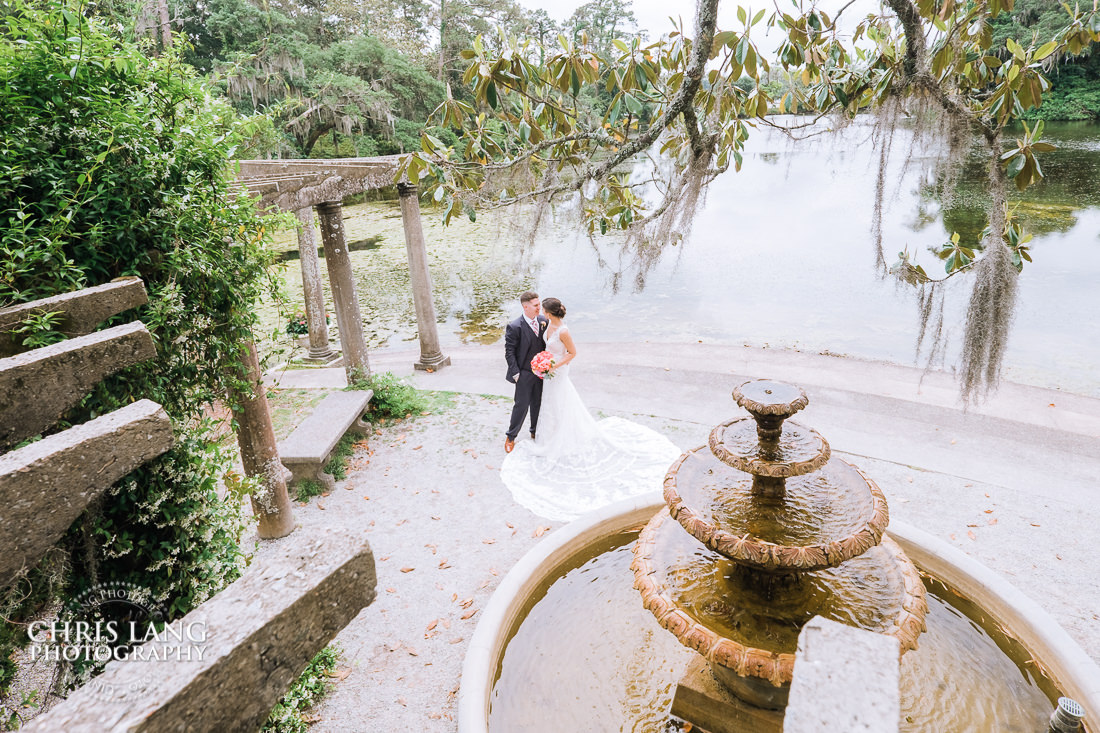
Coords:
535,326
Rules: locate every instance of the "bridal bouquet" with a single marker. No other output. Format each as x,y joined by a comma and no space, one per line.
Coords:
541,364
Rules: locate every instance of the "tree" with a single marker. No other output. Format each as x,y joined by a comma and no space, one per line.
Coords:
932,60
602,21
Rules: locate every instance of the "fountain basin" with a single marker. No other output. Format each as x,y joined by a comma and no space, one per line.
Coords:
820,521
1066,665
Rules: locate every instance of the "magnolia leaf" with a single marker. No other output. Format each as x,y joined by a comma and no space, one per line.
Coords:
1045,50
1015,166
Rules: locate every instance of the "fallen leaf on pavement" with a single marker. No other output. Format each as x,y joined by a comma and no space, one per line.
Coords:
993,521
466,603
472,611
320,505
488,541
431,547
432,625
443,564
971,535
484,583
988,511
510,525
1033,524
457,641
391,590
340,673
540,531
418,447
407,570
435,517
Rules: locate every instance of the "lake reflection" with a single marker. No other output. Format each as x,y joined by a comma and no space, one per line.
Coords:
780,254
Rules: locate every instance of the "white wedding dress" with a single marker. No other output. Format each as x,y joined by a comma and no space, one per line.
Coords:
576,464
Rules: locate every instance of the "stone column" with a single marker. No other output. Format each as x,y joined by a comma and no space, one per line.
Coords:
348,318
260,457
431,358
319,349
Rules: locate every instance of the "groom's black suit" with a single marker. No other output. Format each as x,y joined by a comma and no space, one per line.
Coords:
520,346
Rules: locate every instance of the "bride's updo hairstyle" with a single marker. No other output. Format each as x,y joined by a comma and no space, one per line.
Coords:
554,307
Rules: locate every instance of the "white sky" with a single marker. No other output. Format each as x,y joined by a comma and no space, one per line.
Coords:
653,15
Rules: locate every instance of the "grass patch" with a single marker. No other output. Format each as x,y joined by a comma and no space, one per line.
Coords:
288,716
337,464
307,489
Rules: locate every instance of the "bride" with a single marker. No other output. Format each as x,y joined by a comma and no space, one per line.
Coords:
577,464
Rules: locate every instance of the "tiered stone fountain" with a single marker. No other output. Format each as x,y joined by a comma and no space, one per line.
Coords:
777,532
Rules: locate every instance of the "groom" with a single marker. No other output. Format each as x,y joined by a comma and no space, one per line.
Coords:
523,338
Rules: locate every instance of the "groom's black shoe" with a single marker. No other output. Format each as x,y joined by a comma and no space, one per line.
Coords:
509,444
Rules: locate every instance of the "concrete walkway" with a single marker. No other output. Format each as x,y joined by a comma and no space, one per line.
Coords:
1012,482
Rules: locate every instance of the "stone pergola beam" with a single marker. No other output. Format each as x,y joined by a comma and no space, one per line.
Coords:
82,310
292,185
38,386
46,485
260,633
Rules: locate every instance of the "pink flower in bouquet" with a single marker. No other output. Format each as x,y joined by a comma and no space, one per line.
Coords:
541,364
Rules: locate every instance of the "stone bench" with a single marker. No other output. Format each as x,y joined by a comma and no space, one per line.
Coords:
306,451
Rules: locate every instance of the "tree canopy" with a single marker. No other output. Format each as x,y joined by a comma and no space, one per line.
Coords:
569,118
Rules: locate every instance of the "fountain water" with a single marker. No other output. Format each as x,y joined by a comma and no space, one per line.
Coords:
792,534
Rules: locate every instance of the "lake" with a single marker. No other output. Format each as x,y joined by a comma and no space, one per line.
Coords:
780,254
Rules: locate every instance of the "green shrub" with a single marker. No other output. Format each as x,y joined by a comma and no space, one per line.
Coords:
393,396
311,687
115,164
